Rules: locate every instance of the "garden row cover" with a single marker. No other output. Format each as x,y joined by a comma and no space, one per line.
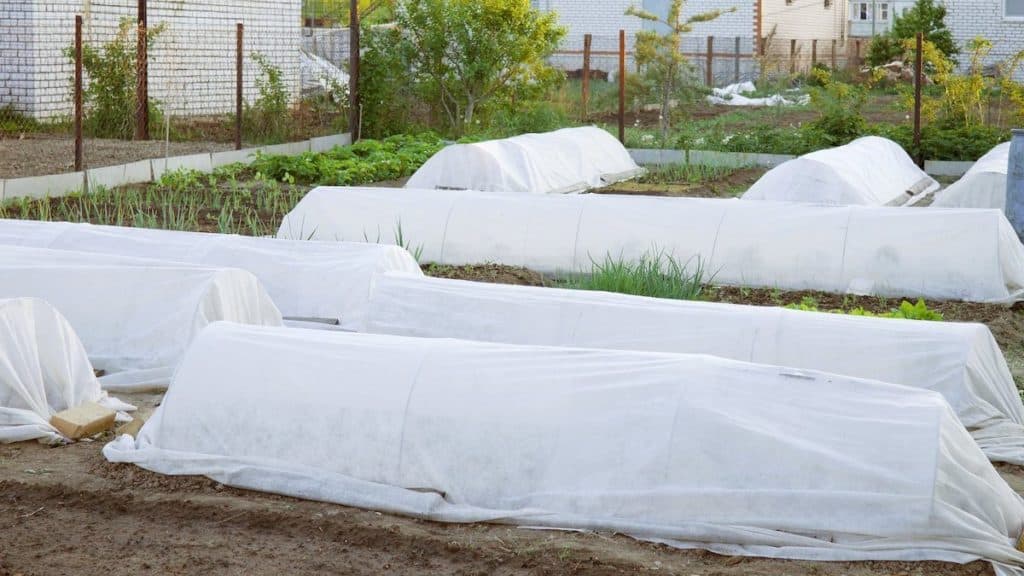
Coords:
559,162
323,280
870,171
691,450
959,360
940,253
134,316
43,370
983,186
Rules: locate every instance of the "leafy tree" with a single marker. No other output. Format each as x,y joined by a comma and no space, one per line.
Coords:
664,70
462,56
929,17
332,12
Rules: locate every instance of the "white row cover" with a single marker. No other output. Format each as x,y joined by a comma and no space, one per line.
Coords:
947,254
959,360
869,171
135,316
695,451
733,95
983,186
559,162
324,280
43,370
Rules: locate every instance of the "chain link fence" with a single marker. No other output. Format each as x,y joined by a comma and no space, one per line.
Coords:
163,82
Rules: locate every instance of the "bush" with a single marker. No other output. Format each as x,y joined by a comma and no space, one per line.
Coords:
839,107
109,97
883,49
945,143
388,99
268,120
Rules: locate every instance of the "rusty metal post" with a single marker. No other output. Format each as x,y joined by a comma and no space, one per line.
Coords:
833,54
239,65
585,96
354,114
142,76
856,58
78,93
622,86
918,80
709,72
814,53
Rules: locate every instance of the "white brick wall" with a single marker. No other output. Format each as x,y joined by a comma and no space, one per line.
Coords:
604,19
192,63
970,18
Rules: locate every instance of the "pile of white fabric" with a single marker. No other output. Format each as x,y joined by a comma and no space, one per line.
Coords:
327,281
693,451
949,254
869,171
733,95
983,186
560,162
959,360
134,316
43,370
320,75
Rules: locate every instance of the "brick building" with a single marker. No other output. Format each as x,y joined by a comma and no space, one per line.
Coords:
1000,21
192,62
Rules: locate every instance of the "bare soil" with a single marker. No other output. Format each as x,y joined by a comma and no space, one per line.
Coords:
727,186
68,511
43,154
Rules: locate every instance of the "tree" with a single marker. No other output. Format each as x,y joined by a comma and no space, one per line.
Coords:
664,68
462,55
928,17
336,12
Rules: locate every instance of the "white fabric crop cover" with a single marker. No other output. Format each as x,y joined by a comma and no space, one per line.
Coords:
559,162
43,370
983,186
134,316
869,171
947,254
693,450
326,280
959,360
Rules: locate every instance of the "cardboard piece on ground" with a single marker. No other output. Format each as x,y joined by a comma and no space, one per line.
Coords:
84,420
131,428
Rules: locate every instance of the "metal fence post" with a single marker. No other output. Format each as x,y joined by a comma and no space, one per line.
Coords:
709,73
142,77
736,61
918,73
355,113
585,96
622,86
78,93
239,63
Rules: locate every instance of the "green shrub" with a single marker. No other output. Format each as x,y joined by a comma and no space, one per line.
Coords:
268,119
944,143
839,108
109,97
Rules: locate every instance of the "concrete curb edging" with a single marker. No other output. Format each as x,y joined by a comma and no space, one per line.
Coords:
55,185
661,157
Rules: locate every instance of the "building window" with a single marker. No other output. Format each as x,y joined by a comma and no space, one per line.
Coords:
862,11
1014,9
885,11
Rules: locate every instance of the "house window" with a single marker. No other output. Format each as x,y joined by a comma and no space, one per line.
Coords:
1014,9
885,10
862,11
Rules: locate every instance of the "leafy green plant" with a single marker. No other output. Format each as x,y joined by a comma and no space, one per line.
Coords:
268,118
839,108
109,96
927,16
885,48
906,310
664,71
654,274
464,58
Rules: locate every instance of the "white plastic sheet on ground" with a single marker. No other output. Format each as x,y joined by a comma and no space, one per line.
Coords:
319,74
870,171
983,186
733,95
43,370
559,162
323,280
697,451
134,316
945,254
959,360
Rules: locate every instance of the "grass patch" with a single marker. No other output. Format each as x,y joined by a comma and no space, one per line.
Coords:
655,274
687,174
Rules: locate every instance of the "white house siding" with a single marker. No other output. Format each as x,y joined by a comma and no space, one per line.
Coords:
879,16
968,19
604,19
191,65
